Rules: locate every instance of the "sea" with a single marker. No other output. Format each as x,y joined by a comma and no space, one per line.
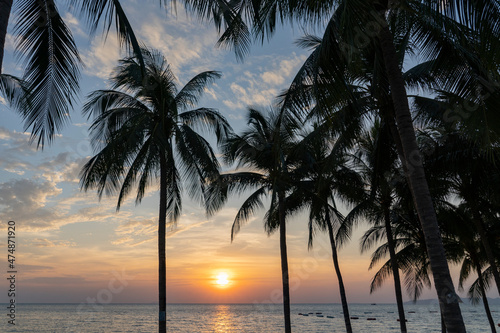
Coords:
191,318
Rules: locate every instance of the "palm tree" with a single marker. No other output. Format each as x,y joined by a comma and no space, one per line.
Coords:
416,176
410,253
264,148
473,176
375,159
51,59
320,173
408,240
479,287
458,223
144,129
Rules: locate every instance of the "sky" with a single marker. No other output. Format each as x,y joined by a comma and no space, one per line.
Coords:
71,247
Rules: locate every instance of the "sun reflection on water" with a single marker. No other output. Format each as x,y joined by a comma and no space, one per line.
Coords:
223,320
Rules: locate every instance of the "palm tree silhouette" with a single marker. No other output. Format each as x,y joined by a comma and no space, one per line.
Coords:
144,129
264,147
473,176
319,175
375,159
457,221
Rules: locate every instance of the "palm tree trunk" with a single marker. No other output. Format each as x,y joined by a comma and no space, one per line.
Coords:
443,325
343,298
162,264
448,298
485,299
395,271
284,263
5,8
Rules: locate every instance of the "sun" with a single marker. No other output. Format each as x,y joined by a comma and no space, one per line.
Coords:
222,279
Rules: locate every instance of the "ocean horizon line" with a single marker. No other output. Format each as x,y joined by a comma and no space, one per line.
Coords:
191,303
494,300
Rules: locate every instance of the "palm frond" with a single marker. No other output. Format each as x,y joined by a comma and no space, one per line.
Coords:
206,119
465,269
236,34
229,18
381,275
217,191
15,92
107,12
174,195
136,165
380,253
103,171
111,110
52,67
191,92
253,202
197,158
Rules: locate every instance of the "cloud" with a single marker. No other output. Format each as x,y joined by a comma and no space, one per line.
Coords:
250,96
46,209
122,240
211,93
234,105
261,81
84,125
237,89
63,168
139,231
16,142
10,44
44,242
39,205
272,78
136,232
26,201
25,268
74,25
282,70
102,56
181,42
145,227
56,280
182,228
16,167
